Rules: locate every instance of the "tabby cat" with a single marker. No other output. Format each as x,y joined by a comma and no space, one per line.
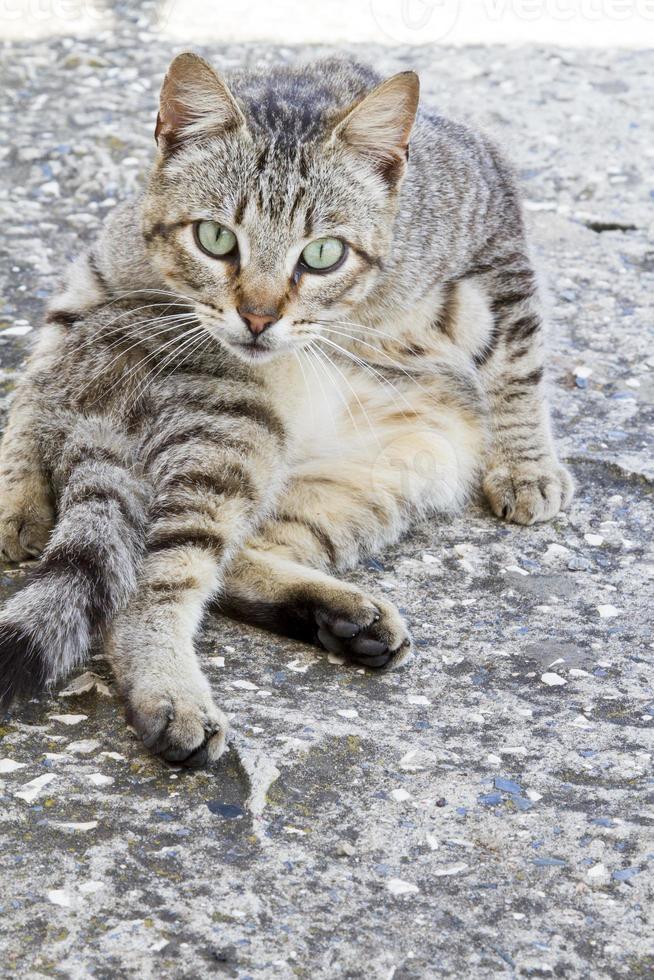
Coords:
318,324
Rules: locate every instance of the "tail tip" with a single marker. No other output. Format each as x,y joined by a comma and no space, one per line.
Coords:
22,665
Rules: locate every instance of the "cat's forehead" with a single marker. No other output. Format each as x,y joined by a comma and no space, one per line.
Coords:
271,188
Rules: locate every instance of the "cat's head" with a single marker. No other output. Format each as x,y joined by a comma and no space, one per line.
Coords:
273,211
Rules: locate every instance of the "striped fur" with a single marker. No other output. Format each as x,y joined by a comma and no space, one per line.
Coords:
188,461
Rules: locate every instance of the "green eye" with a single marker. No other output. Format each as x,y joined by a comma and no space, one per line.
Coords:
215,239
323,254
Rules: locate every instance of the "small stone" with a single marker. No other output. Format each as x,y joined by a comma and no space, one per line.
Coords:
446,870
99,779
625,874
297,667
60,896
84,683
418,699
507,785
397,886
244,685
75,828
69,719
595,540
344,849
608,611
553,680
84,747
532,795
598,872
8,765
348,713
217,661
400,795
30,791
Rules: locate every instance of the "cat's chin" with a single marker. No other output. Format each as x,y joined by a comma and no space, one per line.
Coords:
253,353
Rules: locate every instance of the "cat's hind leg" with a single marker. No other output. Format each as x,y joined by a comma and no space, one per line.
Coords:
334,512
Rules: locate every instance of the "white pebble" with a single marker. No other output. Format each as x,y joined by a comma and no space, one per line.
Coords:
84,747
8,765
400,795
608,611
297,666
217,661
31,790
553,680
581,371
348,713
98,779
418,699
532,795
494,759
450,869
578,672
75,827
14,331
69,719
245,685
398,887
594,539
60,896
116,756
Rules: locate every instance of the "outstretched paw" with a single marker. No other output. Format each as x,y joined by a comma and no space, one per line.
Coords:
526,492
368,632
184,728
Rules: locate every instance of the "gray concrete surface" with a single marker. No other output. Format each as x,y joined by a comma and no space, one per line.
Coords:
463,817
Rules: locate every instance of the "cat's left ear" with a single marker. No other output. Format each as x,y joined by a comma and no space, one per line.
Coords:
380,125
194,101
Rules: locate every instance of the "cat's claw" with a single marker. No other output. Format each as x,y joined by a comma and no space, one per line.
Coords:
527,493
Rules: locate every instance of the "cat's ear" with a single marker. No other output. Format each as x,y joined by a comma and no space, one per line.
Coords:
194,100
380,125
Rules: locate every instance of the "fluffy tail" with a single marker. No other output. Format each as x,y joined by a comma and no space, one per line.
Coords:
88,570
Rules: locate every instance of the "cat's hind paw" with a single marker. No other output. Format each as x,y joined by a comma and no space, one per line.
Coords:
528,492
367,632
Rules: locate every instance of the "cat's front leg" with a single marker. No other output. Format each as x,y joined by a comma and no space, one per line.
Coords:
524,480
26,500
214,473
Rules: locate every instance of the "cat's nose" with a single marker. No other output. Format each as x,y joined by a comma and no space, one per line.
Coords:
257,322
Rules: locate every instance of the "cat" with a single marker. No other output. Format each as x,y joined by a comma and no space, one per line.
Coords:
317,325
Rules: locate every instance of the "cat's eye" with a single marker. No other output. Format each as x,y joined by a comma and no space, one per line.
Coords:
215,239
323,254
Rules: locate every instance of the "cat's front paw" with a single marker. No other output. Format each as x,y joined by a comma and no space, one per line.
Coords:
528,492
184,727
366,631
26,519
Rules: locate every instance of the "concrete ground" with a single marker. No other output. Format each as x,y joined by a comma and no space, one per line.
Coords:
486,811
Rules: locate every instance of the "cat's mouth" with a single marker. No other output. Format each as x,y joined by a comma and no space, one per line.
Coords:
252,350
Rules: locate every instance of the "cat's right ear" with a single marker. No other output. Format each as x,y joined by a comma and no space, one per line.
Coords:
194,101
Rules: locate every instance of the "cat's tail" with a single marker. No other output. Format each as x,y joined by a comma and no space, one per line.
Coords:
89,568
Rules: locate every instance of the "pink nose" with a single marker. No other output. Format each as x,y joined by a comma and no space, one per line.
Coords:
257,322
